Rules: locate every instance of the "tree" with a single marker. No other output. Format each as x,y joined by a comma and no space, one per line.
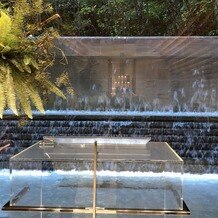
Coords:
137,17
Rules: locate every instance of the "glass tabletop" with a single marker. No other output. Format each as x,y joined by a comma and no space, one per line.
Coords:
108,148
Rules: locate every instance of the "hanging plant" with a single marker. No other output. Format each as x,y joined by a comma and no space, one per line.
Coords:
26,53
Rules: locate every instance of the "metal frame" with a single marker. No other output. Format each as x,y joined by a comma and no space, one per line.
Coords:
184,211
11,205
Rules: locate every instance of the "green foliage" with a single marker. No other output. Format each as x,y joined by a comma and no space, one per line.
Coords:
199,17
24,58
137,17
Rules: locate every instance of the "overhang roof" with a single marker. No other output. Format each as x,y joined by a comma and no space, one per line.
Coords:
137,47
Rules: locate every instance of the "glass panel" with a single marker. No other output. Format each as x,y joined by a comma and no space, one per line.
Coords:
137,176
4,188
67,184
26,183
132,173
54,174
143,74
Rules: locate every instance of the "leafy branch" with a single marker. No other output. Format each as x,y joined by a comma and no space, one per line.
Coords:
24,58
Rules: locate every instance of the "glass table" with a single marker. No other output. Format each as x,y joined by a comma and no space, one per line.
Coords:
97,175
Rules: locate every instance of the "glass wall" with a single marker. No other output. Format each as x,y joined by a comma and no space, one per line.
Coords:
143,74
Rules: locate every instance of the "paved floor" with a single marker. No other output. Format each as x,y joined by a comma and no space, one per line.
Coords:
200,194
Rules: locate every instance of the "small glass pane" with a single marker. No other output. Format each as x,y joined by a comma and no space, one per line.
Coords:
26,181
138,176
53,174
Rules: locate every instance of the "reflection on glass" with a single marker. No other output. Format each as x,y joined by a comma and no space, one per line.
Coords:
167,74
131,174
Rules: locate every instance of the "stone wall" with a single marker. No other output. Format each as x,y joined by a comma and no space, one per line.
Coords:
195,139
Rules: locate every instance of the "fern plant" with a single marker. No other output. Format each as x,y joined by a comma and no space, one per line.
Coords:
26,53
